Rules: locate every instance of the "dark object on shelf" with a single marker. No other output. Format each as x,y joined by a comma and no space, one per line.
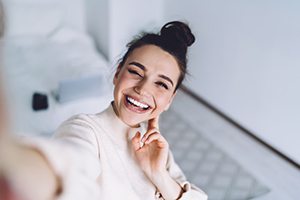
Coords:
39,101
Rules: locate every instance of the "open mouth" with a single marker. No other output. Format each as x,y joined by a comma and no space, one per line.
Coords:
136,104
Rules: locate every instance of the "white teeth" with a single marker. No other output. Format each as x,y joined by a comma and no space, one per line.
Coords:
139,104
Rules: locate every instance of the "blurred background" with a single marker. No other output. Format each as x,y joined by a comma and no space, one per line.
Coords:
242,96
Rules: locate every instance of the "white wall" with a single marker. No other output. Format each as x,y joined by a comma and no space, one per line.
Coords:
97,14
246,62
120,21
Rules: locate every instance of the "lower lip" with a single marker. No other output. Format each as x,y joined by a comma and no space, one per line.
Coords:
133,108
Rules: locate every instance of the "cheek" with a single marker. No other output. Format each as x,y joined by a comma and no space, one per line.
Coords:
125,80
122,83
162,101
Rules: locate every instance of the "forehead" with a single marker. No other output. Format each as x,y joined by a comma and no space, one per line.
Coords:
155,59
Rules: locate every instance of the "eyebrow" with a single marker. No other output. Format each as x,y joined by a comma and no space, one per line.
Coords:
139,65
166,78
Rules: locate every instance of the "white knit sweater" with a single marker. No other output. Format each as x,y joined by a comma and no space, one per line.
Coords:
93,158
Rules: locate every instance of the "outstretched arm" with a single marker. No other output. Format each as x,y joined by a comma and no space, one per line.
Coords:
23,170
26,171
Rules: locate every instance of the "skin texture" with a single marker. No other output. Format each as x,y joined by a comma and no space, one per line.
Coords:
149,76
6,191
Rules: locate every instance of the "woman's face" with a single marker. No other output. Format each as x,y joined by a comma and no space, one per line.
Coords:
145,84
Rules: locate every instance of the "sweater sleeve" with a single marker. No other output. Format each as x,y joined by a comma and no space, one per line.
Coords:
73,156
191,192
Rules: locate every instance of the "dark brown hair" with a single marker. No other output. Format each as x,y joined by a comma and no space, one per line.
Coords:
174,37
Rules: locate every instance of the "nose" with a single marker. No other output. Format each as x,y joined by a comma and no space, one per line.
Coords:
143,88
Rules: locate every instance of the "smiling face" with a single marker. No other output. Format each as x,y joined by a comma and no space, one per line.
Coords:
145,84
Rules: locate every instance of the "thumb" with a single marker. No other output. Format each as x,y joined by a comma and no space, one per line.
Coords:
136,141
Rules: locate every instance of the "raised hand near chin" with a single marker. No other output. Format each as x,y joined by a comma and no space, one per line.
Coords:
153,153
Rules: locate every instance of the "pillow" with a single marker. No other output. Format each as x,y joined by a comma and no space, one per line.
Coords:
64,34
93,85
50,61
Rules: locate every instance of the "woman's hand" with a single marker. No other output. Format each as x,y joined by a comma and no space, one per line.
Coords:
6,192
152,157
24,172
153,153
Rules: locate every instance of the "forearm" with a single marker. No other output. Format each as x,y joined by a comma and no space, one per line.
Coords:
167,186
28,172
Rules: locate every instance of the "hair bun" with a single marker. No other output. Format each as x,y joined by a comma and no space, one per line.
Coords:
179,31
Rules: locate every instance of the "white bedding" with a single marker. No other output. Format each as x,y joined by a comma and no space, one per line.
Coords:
38,58
38,65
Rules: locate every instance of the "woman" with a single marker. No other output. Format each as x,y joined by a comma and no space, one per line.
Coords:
120,153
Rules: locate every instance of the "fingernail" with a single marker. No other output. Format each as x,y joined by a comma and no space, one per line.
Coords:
141,144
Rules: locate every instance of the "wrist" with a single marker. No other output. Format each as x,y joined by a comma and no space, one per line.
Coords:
159,176
167,186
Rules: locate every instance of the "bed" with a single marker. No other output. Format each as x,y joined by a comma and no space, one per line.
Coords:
47,43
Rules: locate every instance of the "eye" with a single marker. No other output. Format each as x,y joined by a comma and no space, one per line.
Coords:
163,85
131,71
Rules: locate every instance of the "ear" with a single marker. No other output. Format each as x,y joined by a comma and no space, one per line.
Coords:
116,76
170,101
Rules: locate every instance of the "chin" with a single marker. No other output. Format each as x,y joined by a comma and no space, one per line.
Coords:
132,121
